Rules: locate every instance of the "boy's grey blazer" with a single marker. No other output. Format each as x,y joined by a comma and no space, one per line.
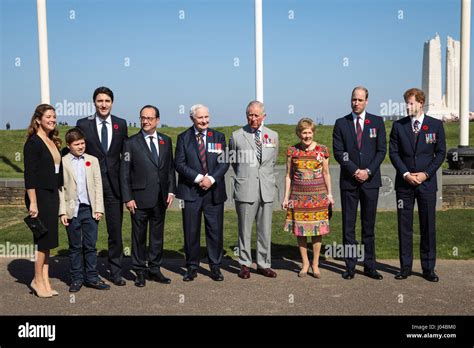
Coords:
249,174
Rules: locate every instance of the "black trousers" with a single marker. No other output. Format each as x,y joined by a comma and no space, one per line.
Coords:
368,199
155,218
214,227
427,217
113,218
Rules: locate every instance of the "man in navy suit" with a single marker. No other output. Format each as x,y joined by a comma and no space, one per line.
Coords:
148,181
105,134
201,186
417,150
359,146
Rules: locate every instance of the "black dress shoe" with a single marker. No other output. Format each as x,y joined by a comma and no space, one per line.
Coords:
140,280
348,274
119,282
216,274
75,286
158,277
99,285
372,273
403,274
431,276
190,274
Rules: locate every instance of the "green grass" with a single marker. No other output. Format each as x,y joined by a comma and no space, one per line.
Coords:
11,142
454,232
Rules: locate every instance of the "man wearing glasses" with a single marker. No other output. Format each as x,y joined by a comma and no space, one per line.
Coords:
148,181
256,147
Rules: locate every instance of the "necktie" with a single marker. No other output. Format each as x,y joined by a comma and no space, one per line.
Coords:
258,143
416,126
359,132
104,136
202,152
154,152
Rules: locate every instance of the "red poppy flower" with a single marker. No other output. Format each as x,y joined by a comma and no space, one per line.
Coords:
116,126
425,127
88,164
265,136
209,134
367,121
162,141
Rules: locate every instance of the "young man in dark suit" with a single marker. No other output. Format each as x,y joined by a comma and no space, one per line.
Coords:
201,185
148,181
417,150
359,146
105,134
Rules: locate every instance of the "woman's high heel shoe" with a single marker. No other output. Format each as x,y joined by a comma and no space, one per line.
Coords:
302,273
316,275
42,294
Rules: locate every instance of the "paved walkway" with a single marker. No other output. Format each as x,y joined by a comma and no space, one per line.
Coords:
285,295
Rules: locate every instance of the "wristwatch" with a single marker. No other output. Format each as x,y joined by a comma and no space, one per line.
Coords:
369,172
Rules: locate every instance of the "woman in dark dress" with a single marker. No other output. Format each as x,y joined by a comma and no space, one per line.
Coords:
43,178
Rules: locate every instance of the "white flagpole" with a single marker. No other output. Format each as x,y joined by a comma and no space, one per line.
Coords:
258,51
465,57
43,51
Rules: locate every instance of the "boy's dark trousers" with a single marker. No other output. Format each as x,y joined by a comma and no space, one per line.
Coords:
82,236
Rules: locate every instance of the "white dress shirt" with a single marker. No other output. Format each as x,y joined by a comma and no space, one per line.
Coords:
362,120
108,123
155,141
199,177
79,167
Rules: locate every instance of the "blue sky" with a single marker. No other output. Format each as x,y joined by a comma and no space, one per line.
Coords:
147,54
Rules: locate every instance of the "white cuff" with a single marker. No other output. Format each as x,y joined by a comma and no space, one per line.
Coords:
405,174
212,179
198,178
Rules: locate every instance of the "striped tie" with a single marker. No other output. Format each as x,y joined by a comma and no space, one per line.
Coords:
258,142
202,152
359,132
416,126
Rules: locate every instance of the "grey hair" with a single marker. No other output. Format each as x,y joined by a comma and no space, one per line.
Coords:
257,103
195,107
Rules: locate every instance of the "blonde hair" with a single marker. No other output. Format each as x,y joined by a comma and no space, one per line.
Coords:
304,123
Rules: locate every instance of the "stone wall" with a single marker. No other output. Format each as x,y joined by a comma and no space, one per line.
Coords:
12,192
457,190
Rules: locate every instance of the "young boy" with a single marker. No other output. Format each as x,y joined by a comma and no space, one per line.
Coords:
81,207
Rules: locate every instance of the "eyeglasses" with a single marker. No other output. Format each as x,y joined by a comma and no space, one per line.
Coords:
148,119
253,115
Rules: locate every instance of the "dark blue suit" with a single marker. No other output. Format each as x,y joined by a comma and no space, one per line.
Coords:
350,157
198,201
422,153
110,170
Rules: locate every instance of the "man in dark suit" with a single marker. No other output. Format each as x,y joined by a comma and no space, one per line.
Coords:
417,150
105,134
148,181
201,185
359,146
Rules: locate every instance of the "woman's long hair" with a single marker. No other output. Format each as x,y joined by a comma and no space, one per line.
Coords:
33,127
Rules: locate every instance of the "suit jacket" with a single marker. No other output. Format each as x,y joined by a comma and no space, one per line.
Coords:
68,194
39,166
370,156
110,162
249,174
188,165
424,155
142,179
